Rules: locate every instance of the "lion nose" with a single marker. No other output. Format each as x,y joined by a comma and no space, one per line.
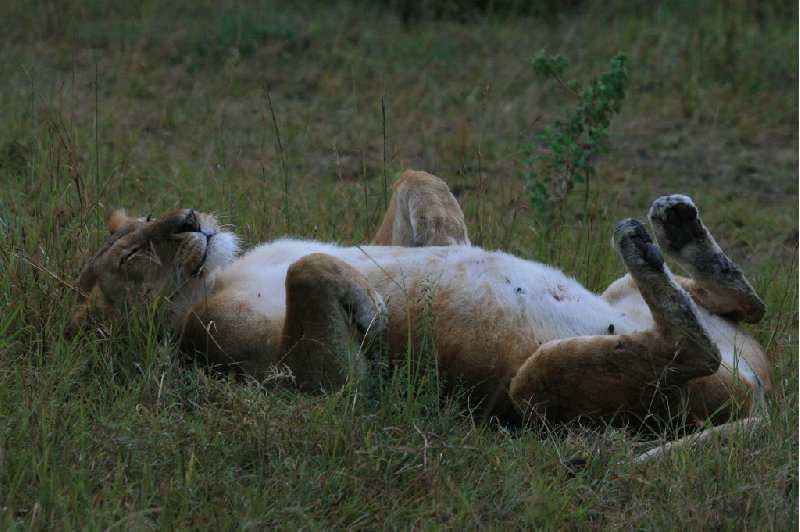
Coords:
189,224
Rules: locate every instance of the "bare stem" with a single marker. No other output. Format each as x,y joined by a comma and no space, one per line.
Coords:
385,173
284,167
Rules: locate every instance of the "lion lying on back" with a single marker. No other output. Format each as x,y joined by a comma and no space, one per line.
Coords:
521,337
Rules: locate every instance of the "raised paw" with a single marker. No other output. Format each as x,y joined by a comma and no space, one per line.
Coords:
716,281
672,309
367,311
676,221
636,247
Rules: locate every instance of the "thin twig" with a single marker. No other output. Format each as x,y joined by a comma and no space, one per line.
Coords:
481,188
385,174
565,86
43,269
96,140
284,166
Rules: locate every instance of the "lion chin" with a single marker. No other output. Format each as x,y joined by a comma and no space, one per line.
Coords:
523,339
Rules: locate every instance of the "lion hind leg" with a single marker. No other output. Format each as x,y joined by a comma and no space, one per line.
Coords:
422,212
733,430
223,333
325,299
716,281
673,311
637,373
627,377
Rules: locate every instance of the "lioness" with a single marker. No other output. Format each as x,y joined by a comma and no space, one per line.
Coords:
521,337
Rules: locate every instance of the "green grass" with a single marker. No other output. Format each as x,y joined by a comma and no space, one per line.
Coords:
155,105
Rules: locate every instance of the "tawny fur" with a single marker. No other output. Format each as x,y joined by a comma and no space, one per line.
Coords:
520,336
422,212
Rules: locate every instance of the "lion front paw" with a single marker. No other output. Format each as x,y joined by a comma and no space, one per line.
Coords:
683,237
365,309
370,315
676,222
636,247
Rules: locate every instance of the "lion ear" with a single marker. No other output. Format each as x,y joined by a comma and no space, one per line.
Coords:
116,220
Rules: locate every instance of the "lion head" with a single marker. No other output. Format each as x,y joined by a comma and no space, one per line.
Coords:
176,256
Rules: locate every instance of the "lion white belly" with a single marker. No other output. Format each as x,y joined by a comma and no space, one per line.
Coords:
493,285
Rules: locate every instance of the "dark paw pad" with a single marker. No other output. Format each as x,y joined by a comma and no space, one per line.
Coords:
678,219
682,225
650,253
636,235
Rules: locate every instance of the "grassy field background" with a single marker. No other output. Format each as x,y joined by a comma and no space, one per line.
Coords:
225,106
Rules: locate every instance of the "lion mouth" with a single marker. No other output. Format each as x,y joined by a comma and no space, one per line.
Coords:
206,249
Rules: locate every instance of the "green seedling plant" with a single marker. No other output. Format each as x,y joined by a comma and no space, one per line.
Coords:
574,140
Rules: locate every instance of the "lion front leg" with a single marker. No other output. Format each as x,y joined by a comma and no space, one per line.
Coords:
716,281
635,374
225,333
325,298
422,212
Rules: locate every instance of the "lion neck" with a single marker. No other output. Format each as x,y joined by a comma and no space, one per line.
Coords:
223,253
183,300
